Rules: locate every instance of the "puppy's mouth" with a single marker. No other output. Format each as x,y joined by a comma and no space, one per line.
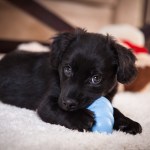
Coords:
68,109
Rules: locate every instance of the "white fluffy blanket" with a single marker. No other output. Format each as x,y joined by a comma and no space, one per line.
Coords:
22,129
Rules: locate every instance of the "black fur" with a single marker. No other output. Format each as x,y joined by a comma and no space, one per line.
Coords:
81,67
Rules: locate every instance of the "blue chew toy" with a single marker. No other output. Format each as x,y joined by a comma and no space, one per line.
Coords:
103,111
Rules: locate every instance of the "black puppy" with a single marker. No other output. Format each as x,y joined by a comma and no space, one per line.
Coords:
60,85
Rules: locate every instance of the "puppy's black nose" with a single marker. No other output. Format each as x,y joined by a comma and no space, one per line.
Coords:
70,104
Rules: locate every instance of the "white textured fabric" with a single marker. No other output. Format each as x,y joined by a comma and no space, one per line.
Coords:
22,129
33,47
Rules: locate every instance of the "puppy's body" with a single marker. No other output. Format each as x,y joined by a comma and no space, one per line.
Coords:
24,78
81,67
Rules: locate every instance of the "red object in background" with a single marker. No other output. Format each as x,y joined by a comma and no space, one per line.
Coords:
136,49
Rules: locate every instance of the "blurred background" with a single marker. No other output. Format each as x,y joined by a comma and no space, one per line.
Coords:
40,19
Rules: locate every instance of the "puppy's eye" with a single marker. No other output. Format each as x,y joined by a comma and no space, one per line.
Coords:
68,71
96,79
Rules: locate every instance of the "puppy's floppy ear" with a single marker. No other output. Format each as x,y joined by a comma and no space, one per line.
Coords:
59,45
126,63
126,70
61,42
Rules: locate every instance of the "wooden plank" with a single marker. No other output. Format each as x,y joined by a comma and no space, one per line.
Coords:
42,14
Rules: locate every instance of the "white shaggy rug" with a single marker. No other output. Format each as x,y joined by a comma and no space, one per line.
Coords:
22,129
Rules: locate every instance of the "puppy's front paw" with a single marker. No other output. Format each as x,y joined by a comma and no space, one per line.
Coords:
82,120
131,127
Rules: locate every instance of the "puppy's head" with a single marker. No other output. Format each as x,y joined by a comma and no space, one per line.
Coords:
89,66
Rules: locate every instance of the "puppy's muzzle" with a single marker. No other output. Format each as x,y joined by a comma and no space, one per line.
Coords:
69,104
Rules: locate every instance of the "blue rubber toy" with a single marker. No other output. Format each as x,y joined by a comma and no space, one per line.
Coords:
103,112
